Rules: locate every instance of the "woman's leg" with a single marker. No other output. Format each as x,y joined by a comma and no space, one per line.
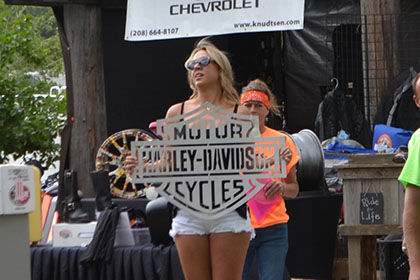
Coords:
272,251
249,259
228,251
194,255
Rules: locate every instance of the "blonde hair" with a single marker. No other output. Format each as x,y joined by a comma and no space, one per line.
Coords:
226,73
260,85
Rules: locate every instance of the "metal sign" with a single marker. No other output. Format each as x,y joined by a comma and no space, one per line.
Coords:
208,161
169,19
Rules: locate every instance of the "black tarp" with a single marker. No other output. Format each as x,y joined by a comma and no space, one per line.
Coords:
330,45
309,59
143,79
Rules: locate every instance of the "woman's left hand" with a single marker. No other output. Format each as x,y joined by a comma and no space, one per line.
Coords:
274,188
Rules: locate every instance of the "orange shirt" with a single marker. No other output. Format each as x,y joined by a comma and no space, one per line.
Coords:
266,212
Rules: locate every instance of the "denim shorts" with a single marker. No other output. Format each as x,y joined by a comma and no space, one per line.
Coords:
185,223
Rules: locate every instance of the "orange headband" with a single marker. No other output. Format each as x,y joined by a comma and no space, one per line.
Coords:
254,95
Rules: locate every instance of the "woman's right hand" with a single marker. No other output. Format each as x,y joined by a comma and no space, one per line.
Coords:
129,164
286,154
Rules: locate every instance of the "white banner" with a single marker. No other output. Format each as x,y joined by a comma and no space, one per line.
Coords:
170,19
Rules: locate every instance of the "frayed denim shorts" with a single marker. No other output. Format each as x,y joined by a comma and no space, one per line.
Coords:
185,223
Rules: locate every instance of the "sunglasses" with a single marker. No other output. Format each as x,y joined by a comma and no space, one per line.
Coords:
202,61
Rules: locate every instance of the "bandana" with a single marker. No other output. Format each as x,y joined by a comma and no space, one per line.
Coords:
254,95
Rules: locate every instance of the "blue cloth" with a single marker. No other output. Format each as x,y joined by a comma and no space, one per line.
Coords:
390,137
270,246
339,147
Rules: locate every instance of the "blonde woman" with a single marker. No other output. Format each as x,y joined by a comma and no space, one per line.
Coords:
209,249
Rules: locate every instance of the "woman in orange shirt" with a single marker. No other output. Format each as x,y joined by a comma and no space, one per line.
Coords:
267,208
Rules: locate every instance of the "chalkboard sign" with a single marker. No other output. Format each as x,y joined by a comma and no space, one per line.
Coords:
371,208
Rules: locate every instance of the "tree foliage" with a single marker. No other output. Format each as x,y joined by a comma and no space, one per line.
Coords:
30,57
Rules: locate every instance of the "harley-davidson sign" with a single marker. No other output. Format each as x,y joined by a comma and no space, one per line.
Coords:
208,161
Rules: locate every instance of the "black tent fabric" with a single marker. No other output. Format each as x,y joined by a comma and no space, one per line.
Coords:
309,58
128,263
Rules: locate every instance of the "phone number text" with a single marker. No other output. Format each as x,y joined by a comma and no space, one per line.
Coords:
153,32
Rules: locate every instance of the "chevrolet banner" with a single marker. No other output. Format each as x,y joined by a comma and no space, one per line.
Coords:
169,19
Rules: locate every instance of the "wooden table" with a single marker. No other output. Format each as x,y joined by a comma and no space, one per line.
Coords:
369,174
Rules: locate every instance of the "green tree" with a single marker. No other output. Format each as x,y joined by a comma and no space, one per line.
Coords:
30,57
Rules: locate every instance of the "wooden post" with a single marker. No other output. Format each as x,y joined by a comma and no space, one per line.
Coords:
362,257
83,28
368,257
379,47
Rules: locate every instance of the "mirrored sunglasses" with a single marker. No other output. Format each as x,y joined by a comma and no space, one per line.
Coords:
202,61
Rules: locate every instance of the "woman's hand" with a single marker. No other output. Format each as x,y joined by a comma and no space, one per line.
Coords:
129,164
274,188
286,155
